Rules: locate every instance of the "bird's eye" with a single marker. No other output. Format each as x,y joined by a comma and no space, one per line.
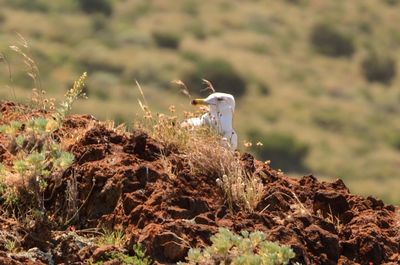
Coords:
220,99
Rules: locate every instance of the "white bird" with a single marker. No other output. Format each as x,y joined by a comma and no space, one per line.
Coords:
219,117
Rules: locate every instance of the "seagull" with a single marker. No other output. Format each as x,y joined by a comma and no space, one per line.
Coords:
219,117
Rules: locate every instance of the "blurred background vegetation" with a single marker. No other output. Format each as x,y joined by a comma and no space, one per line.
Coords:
315,81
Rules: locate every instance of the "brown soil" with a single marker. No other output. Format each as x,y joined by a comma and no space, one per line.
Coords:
123,184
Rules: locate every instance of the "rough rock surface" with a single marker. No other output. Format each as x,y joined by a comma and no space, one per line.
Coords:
123,184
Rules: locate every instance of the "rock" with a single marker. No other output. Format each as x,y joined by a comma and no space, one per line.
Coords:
33,256
101,251
146,174
247,161
330,203
86,252
91,153
136,143
173,247
323,243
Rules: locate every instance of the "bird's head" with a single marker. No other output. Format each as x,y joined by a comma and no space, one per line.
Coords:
217,101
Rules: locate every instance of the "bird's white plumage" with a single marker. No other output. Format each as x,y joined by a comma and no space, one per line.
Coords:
219,117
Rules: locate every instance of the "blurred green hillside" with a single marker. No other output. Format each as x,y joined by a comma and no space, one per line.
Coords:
316,82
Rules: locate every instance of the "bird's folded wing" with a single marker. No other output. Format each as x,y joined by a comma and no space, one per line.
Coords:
193,122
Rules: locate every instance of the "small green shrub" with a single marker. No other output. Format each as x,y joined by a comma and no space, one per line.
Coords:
8,194
165,39
220,73
329,41
379,68
191,7
37,5
121,119
11,245
93,57
246,248
96,6
191,56
391,2
38,154
263,89
38,157
114,238
138,257
283,149
329,119
73,94
295,2
99,22
394,140
101,84
2,18
197,30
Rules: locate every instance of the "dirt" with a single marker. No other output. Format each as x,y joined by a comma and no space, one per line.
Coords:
122,183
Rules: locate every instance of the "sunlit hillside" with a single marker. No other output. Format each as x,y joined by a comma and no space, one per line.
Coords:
315,81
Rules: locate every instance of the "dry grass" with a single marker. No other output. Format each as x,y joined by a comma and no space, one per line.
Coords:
241,188
32,70
113,238
72,196
73,136
332,219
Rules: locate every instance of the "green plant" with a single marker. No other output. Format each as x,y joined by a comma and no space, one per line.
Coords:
38,156
96,6
295,2
329,41
283,149
394,140
197,29
329,119
11,245
165,39
138,258
241,188
11,129
38,5
3,18
246,248
99,22
220,73
379,68
8,194
71,96
191,7
114,238
2,169
392,2
264,89
101,84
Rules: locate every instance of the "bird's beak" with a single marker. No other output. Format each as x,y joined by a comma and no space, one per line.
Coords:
199,101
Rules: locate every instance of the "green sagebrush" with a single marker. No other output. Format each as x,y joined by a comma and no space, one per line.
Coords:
139,257
244,249
38,154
